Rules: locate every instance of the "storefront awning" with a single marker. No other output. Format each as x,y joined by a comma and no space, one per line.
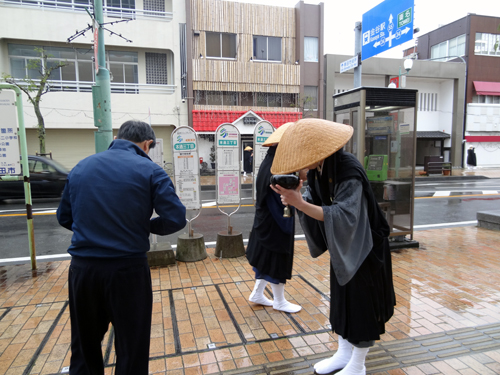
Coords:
208,121
487,88
432,135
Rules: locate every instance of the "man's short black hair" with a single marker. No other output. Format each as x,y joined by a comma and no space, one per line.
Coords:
137,132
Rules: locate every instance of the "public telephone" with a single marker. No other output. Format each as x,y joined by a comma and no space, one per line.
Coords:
376,167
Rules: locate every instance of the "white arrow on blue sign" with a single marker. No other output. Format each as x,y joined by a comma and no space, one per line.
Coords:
386,26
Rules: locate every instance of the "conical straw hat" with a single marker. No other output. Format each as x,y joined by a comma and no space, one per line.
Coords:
307,142
248,148
276,136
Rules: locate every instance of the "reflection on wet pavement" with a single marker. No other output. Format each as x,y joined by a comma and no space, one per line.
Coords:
448,310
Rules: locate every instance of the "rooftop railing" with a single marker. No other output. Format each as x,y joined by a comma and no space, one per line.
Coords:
79,6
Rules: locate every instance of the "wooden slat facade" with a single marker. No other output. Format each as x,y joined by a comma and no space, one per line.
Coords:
245,20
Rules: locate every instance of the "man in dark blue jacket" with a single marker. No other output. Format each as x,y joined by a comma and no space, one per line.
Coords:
108,202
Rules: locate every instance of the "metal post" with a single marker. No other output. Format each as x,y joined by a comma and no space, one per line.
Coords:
26,171
101,92
357,52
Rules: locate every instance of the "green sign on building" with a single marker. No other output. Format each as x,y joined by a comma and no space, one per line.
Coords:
404,18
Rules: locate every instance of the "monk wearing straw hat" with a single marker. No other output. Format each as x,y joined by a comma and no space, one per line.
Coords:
339,213
270,247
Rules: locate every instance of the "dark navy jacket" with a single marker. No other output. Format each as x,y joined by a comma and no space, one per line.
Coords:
108,201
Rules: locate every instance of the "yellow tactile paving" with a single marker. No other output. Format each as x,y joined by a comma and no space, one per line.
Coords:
452,281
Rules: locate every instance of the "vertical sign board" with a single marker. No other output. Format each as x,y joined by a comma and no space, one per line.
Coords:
156,153
186,167
387,25
395,80
261,132
227,143
9,143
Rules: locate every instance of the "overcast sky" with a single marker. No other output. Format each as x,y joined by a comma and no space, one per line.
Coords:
341,16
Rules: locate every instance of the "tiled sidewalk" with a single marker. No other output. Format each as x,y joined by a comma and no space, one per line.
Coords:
447,318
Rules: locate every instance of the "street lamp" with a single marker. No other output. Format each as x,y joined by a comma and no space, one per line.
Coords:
408,64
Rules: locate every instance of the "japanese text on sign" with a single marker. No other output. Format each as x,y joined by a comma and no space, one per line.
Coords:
186,169
9,143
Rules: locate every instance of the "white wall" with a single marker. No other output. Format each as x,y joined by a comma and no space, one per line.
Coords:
56,25
484,120
440,120
69,115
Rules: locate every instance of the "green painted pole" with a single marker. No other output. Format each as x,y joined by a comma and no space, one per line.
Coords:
26,171
101,91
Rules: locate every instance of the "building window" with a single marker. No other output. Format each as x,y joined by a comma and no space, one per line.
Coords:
229,98
214,98
288,100
310,98
486,43
265,99
449,49
266,48
486,99
78,72
124,68
110,6
221,45
310,49
246,99
154,5
156,68
124,4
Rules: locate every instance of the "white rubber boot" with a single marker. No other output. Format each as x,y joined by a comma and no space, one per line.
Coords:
258,296
280,303
356,365
338,361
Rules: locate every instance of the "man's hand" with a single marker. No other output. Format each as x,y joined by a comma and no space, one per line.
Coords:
289,197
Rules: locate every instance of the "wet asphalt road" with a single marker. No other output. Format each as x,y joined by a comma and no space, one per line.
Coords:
436,204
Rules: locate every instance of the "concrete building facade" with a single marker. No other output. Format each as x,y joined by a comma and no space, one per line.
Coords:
252,62
474,39
441,94
145,72
195,63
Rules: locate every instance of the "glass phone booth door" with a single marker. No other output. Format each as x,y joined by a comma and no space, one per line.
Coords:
384,141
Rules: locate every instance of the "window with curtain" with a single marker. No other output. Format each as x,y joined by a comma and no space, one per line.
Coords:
311,49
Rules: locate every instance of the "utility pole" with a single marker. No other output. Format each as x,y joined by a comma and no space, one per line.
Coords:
357,52
101,91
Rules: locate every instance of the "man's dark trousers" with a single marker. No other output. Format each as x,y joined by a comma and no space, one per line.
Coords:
103,290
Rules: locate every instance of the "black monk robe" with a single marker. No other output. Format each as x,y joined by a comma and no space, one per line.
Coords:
270,247
355,233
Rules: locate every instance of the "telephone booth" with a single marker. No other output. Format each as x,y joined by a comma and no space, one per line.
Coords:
384,141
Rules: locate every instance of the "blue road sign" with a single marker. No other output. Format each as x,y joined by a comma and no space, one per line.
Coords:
386,26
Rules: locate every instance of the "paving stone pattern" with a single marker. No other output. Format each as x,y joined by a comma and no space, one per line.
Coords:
447,318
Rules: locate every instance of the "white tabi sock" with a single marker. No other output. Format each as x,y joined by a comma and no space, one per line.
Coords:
280,303
258,296
356,365
339,360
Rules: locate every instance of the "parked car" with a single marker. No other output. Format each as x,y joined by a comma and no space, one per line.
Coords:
47,178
